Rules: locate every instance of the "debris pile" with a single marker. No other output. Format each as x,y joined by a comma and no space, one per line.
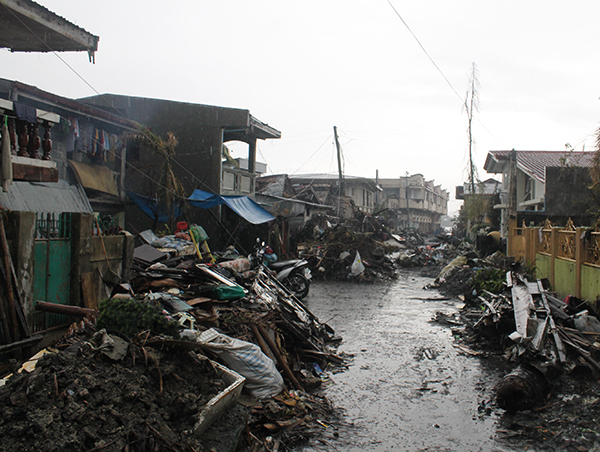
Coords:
549,346
335,252
362,250
138,373
80,399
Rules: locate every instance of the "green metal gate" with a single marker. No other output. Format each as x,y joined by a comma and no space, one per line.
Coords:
52,267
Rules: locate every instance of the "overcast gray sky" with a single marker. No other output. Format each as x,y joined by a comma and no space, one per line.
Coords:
304,67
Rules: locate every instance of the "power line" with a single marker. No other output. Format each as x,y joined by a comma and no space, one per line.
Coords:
425,51
437,67
312,155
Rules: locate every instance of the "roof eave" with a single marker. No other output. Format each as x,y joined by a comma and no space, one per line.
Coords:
29,27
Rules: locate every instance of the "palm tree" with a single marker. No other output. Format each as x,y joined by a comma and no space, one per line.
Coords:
170,190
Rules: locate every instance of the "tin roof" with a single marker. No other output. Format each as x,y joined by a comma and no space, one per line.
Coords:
45,197
29,27
534,163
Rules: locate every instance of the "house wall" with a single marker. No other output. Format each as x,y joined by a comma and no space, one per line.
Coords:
199,130
88,260
76,138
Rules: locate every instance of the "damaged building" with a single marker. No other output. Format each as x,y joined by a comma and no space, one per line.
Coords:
201,132
416,202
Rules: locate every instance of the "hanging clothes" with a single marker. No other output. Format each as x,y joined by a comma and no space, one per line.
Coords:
6,174
25,112
106,145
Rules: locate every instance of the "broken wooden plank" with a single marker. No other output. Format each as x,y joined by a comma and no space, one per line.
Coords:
553,330
583,353
522,305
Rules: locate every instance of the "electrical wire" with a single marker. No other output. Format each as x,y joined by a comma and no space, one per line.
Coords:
463,101
425,51
313,154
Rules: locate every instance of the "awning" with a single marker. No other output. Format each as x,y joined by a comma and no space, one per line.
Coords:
95,177
244,206
151,207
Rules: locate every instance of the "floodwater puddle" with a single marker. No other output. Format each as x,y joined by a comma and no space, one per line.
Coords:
407,387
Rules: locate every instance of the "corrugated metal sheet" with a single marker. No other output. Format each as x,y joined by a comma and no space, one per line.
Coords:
534,163
45,197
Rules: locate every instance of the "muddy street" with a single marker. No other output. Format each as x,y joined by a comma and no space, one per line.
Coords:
408,387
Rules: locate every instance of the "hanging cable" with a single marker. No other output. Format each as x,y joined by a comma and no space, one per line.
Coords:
425,51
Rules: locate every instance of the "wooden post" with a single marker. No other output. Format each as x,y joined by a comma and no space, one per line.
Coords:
63,309
12,309
578,260
261,342
339,160
553,255
533,240
512,230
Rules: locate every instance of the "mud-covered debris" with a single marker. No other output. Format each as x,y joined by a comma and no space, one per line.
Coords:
522,389
76,401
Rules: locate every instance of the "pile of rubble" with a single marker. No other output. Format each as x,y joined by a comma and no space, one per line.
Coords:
167,354
367,250
549,346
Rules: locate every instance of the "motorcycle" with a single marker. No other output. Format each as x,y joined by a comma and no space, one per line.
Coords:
294,274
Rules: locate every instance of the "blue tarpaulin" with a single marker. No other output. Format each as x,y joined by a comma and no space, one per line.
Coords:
151,208
244,206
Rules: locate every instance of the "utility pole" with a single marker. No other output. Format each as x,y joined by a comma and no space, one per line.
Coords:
407,205
512,201
339,159
471,105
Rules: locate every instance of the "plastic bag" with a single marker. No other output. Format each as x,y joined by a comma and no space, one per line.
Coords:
357,266
262,377
224,292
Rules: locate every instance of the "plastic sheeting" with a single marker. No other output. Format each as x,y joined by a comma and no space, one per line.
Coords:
151,208
244,206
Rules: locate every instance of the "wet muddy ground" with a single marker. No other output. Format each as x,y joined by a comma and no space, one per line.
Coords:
407,387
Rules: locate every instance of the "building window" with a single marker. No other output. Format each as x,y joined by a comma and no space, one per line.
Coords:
228,181
246,184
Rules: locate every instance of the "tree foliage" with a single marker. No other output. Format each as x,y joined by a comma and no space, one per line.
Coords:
170,191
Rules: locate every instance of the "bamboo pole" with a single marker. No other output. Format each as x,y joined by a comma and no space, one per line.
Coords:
261,342
5,335
282,362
